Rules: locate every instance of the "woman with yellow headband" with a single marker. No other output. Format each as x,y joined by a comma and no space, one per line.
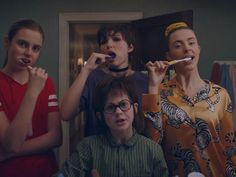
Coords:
190,117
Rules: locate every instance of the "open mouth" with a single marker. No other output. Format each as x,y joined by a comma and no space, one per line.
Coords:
189,57
112,56
180,60
120,121
24,61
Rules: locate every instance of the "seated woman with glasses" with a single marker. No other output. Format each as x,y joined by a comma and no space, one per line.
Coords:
119,150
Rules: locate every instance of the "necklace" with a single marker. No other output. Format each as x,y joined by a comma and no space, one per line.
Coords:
213,103
119,69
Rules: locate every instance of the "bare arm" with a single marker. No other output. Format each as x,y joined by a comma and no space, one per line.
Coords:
12,135
47,141
72,97
151,101
156,73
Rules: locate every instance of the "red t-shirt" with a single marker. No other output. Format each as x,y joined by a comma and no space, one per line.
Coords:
11,95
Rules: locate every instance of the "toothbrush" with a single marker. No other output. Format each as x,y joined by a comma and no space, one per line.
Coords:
25,63
110,57
177,61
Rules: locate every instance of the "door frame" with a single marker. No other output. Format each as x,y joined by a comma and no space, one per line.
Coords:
64,20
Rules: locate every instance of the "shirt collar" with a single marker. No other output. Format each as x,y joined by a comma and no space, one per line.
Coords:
129,143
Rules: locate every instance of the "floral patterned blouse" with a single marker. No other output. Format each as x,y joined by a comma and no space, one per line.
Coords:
196,134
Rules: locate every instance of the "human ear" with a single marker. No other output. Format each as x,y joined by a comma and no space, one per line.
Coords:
135,105
130,48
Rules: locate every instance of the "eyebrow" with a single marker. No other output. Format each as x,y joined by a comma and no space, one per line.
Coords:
114,34
191,38
35,45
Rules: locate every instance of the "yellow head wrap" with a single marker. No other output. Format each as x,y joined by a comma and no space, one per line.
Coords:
174,26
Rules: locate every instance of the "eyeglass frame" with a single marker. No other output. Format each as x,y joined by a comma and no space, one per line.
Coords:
115,106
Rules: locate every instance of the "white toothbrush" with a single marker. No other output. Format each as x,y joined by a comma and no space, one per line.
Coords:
23,62
177,61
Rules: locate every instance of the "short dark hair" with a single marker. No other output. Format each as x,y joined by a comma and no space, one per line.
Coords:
108,85
124,28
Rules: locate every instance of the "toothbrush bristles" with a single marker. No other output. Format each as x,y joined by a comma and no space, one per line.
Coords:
177,61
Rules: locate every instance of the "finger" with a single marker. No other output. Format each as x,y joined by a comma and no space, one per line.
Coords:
32,70
45,75
160,64
41,71
99,61
29,67
96,58
166,62
149,64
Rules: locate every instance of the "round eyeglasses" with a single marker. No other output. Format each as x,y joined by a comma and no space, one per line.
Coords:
124,105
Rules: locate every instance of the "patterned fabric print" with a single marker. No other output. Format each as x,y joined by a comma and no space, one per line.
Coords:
230,167
185,155
156,120
230,108
207,121
213,103
203,136
229,152
201,95
204,95
217,128
231,137
176,115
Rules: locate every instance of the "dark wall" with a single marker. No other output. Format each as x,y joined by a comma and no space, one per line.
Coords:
214,23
